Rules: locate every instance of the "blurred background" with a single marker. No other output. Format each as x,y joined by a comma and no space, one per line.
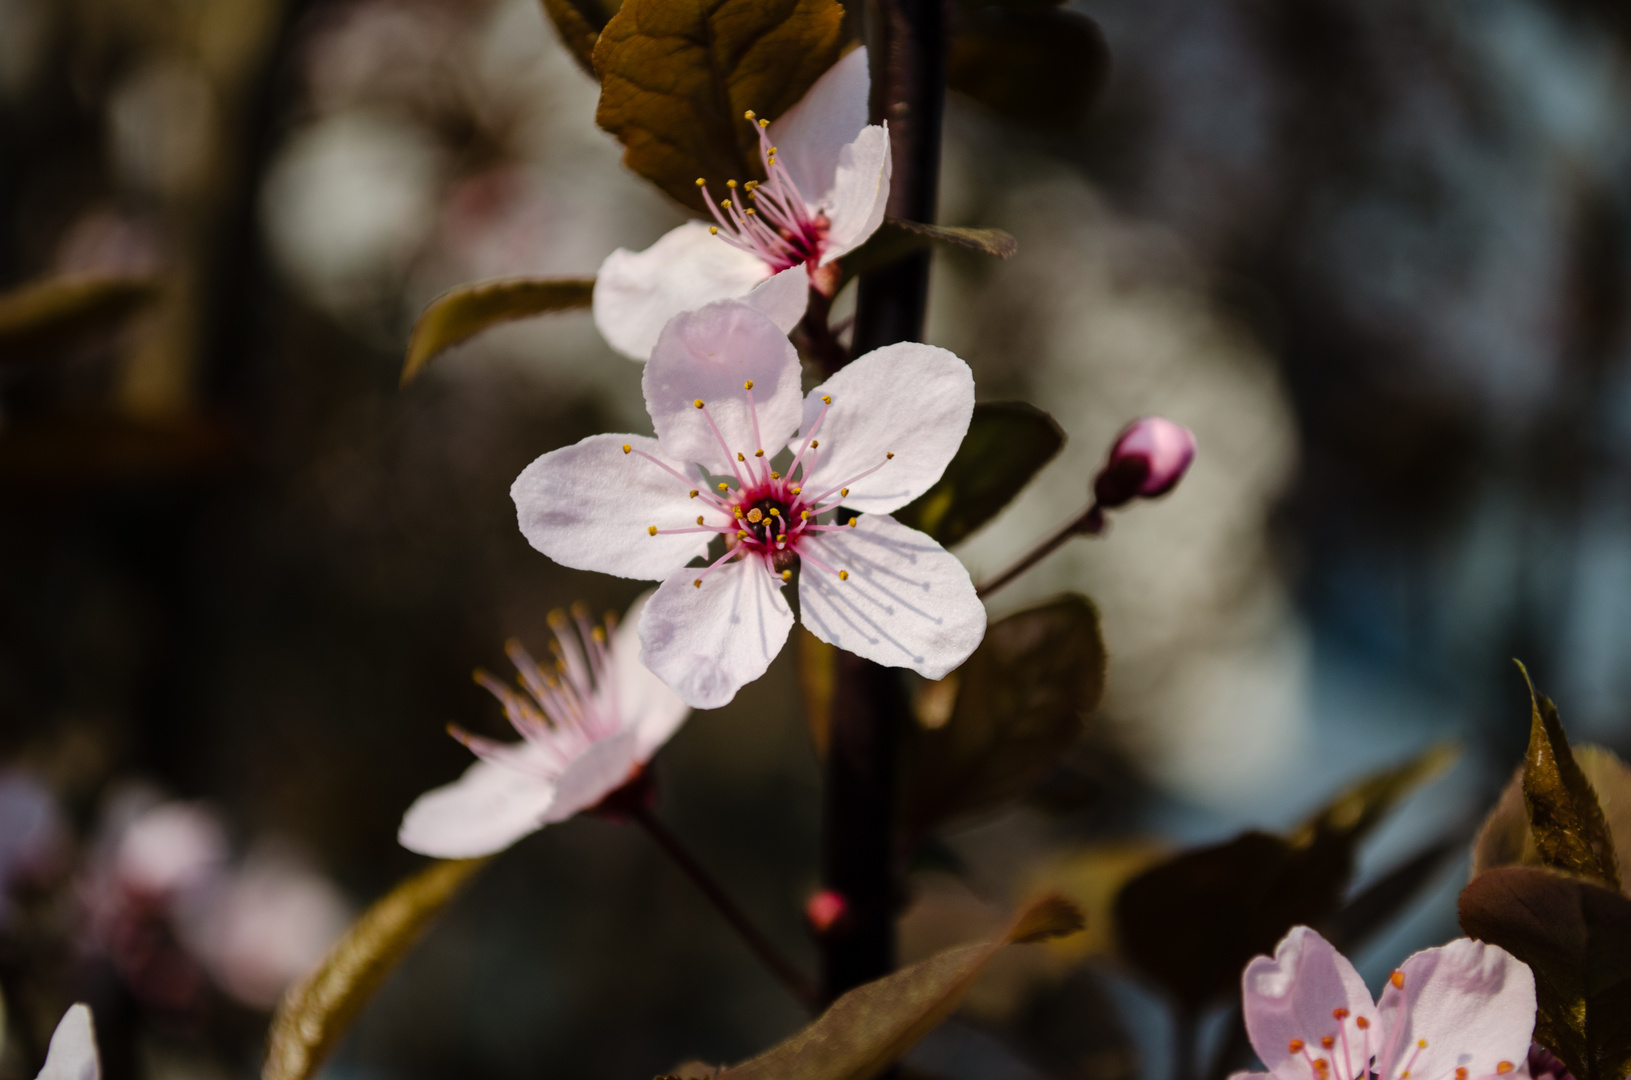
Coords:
1375,253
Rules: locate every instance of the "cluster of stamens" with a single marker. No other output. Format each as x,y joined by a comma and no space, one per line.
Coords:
769,513
564,707
777,226
1362,1066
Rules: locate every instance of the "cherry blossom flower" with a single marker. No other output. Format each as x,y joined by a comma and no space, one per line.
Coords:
1463,1011
827,179
1148,459
72,1054
588,726
722,388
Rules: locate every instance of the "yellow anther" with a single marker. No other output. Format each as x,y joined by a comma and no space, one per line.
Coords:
758,453
750,211
701,182
557,622
774,475
772,149
814,443
697,403
1362,1023
713,230
755,515
740,535
1295,1046
726,204
826,399
748,385
804,515
787,575
1328,1041
842,492
781,538
748,115
774,512
651,530
724,486
1503,1068
751,185
579,609
739,457
627,448
695,493
699,519
796,490
852,522
843,575
732,185
1397,979
888,455
764,123
1421,1044
1339,1014
739,512
697,583
599,634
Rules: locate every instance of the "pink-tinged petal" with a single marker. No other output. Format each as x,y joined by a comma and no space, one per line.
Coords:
709,355
590,506
907,601
592,775
486,810
637,292
646,705
1472,1004
1290,1003
72,1055
782,298
855,206
709,642
810,137
910,400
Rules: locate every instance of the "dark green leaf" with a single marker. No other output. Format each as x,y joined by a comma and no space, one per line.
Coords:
460,314
316,1011
1565,817
1191,924
1038,65
677,76
49,314
872,1026
1506,840
1576,937
1022,701
579,22
1007,444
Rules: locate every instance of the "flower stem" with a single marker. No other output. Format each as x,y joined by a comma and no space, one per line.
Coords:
779,965
1089,523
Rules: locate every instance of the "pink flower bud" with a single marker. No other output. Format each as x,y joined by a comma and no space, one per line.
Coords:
1149,458
825,910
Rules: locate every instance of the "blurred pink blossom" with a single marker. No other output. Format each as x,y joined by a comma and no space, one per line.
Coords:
1148,459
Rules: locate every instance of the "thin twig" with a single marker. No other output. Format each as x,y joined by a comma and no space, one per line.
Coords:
790,976
1089,523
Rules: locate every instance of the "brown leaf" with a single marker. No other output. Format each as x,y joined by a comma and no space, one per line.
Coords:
1506,840
987,241
676,77
872,1026
316,1011
52,312
1575,936
1565,817
579,22
461,313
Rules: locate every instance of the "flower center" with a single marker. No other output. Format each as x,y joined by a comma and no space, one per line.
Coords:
1345,1055
778,225
768,516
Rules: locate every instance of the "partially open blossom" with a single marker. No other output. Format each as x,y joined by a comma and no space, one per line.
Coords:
722,388
827,179
72,1054
1148,459
1463,1011
588,723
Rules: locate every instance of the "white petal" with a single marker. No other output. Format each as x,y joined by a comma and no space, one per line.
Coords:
855,205
487,809
589,506
72,1055
708,355
1290,999
911,400
646,705
709,642
1472,1003
596,773
908,602
811,135
637,292
782,298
